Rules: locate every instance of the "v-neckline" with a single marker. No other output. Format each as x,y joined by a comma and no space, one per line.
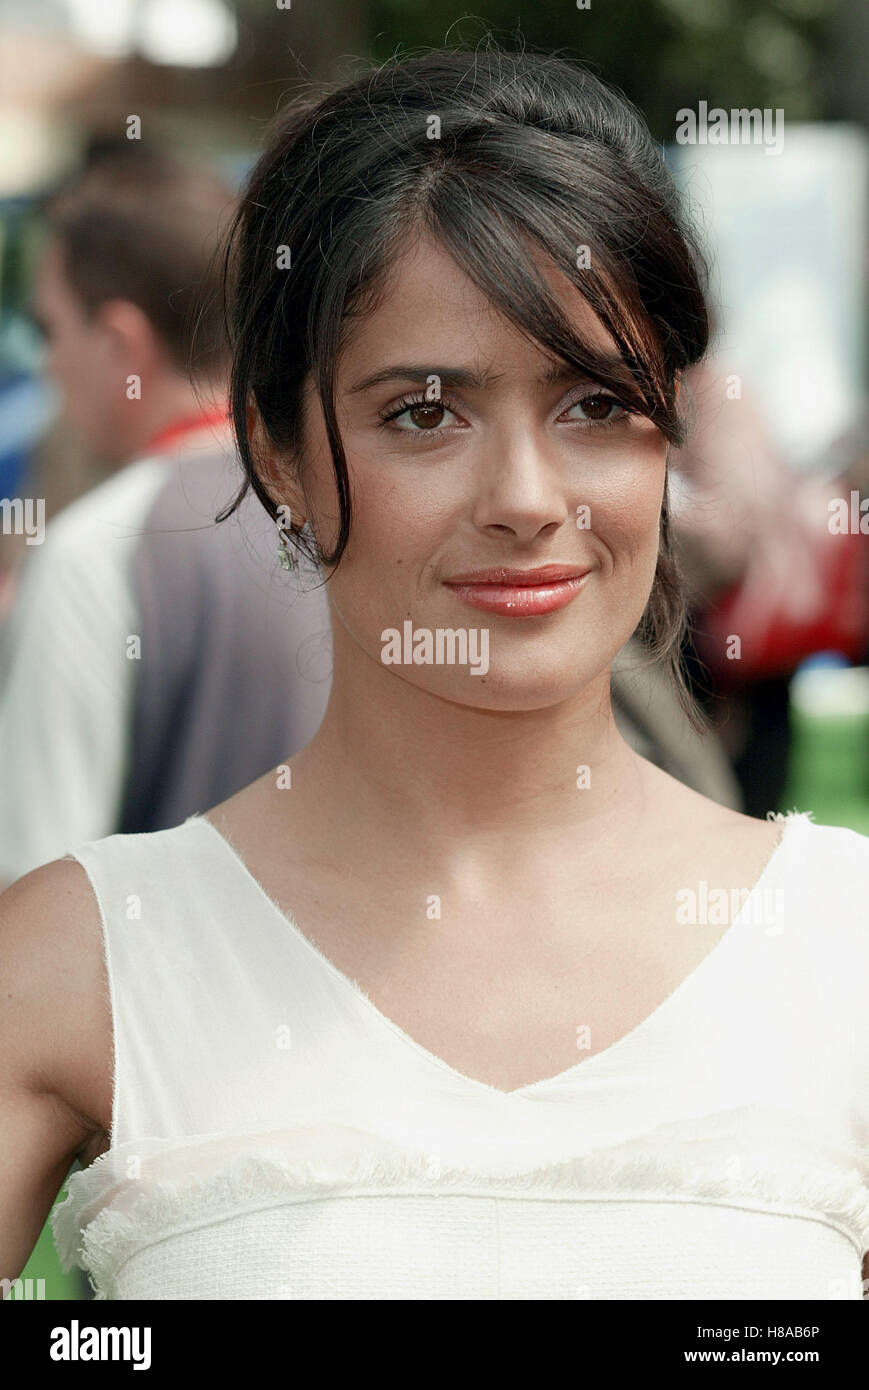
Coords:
518,1092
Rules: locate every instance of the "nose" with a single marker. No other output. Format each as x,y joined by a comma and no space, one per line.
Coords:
520,487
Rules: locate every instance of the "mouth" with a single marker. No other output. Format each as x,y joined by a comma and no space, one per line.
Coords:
520,593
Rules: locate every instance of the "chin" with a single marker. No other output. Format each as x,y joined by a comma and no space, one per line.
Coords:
513,691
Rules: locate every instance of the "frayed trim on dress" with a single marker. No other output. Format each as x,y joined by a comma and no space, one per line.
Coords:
137,1213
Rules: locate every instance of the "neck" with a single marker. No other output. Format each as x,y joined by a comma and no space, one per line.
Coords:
449,784
173,401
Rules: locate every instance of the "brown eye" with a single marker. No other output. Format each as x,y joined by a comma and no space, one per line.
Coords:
597,407
417,417
428,415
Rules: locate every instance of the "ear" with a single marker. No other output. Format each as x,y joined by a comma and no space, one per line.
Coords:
131,336
276,472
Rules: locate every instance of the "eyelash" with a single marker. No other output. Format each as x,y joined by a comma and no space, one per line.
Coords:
407,402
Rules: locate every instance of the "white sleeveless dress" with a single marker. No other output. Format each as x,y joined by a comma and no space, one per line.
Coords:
275,1136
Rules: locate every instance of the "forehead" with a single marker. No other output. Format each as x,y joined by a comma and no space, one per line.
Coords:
432,310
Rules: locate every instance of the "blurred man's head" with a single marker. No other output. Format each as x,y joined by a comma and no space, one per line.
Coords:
128,288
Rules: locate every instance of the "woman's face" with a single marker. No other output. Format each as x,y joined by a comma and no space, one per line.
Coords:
510,471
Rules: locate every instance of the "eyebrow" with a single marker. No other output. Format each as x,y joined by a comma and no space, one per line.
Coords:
464,378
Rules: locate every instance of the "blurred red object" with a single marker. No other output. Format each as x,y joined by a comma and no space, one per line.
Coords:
805,590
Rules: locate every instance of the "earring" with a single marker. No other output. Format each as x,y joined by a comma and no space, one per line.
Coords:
287,558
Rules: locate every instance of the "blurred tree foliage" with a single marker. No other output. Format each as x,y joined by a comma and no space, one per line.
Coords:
664,54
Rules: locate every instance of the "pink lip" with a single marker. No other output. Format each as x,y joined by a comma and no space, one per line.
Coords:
501,574
519,593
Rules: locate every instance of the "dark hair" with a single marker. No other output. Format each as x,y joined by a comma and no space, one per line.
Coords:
533,152
145,227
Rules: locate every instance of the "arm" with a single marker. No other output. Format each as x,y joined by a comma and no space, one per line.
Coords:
55,1047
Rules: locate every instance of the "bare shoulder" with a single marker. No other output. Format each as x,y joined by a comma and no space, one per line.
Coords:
55,1025
265,824
247,808
706,831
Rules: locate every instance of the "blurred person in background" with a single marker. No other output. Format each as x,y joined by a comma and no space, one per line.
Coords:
141,631
770,584
728,488
650,718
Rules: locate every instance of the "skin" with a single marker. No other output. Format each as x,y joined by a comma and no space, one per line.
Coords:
91,356
557,904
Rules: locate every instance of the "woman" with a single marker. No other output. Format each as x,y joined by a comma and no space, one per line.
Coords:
468,1000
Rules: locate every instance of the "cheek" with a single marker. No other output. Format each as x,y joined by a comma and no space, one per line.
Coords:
76,366
398,518
625,513
78,390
